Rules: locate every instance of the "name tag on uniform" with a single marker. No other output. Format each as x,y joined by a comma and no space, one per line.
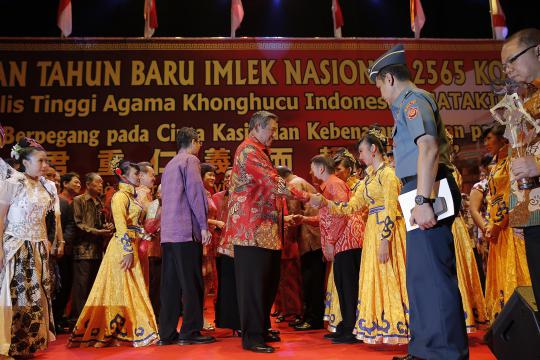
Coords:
407,203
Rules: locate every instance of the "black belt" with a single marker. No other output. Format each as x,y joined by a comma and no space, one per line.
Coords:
442,173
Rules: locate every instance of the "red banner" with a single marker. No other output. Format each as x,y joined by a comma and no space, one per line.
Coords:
90,100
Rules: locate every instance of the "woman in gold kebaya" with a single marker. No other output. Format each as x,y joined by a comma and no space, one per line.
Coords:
118,310
507,264
382,314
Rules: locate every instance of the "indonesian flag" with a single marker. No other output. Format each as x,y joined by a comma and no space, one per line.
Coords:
237,15
338,18
150,18
498,20
417,17
63,18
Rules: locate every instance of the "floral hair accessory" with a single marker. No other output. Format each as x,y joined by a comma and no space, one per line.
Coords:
378,134
16,152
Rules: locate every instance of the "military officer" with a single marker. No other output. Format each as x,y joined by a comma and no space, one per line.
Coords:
421,157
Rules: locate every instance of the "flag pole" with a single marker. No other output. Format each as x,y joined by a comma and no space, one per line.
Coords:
493,35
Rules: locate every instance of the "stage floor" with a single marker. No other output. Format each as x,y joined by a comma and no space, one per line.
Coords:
303,345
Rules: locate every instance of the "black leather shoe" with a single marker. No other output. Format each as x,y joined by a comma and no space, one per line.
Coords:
331,335
196,339
165,342
271,338
274,331
306,326
406,357
345,339
295,322
266,349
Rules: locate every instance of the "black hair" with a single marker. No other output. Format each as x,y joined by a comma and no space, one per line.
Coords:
184,137
371,139
67,177
486,160
27,147
124,167
495,129
325,161
206,168
399,71
283,171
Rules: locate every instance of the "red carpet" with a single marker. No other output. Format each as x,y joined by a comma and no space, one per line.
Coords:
305,345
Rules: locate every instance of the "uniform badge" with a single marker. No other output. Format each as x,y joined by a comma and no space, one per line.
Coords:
411,113
411,110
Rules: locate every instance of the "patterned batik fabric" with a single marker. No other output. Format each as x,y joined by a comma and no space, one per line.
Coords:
27,313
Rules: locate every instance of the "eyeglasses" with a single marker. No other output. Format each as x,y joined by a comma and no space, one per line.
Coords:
513,58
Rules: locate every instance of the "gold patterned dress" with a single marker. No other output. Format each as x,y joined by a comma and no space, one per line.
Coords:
507,264
472,296
118,310
382,313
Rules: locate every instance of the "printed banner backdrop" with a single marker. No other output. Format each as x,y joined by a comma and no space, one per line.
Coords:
91,100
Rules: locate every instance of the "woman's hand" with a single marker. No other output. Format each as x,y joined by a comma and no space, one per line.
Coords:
219,224
127,262
383,252
492,232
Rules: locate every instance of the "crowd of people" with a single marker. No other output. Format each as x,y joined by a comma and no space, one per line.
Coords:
125,269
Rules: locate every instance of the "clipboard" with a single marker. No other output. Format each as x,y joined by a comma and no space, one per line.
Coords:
407,203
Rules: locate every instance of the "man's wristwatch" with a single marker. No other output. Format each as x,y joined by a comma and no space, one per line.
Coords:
421,200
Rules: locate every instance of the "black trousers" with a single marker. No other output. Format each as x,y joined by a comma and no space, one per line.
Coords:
346,273
532,247
65,268
181,284
84,275
437,321
227,315
155,282
313,277
480,266
257,273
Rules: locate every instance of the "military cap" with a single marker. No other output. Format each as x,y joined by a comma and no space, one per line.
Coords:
395,55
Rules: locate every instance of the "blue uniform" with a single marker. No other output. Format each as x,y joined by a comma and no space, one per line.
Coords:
436,313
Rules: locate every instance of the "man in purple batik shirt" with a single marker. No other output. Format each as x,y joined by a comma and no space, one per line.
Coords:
184,230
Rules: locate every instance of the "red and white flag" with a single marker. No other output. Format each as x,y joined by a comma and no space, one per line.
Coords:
150,18
338,18
417,17
63,18
237,15
498,20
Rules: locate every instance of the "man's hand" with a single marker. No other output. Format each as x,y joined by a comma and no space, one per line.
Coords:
329,252
206,237
383,253
127,262
423,216
525,167
60,250
298,219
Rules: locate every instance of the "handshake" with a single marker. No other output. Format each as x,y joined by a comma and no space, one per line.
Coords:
313,200
294,220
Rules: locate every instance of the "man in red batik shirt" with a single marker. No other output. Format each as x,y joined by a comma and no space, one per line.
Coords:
254,226
341,243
